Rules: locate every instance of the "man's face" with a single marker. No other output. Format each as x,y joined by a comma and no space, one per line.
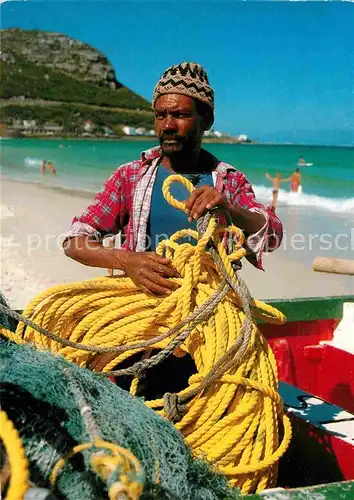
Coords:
177,124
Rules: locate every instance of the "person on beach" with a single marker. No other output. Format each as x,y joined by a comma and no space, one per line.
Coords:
296,181
51,168
131,202
43,167
276,186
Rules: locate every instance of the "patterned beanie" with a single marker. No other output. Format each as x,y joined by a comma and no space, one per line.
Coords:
188,79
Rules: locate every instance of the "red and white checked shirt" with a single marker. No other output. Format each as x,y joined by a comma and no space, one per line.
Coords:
123,205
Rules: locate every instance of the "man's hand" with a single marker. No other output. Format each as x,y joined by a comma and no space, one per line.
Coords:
202,199
149,272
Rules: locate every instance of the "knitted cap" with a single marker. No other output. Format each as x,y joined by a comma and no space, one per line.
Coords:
188,79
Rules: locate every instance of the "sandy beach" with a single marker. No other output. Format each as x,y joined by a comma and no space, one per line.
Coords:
34,219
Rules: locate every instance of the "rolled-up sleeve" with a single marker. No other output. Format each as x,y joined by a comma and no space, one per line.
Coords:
105,214
270,236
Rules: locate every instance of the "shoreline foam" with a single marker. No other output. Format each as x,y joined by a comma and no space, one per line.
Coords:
263,194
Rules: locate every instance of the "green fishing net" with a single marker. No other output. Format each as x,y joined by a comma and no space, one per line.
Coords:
36,397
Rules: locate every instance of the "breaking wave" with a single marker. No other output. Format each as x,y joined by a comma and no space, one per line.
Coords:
345,205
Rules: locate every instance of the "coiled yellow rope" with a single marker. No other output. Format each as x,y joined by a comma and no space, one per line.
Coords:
17,459
234,418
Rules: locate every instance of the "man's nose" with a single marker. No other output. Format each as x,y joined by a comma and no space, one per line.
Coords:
169,123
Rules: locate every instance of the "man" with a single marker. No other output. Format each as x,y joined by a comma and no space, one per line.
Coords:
131,201
43,167
295,181
51,168
277,180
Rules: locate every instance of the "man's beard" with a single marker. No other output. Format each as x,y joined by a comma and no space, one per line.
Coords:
173,145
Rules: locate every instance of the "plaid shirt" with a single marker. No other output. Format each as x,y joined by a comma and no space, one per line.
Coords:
123,205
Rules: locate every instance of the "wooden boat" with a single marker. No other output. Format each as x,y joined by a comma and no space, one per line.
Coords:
317,387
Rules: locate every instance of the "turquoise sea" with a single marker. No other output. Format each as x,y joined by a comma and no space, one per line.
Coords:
83,165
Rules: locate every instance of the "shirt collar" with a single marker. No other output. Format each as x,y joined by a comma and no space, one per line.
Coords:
151,154
223,168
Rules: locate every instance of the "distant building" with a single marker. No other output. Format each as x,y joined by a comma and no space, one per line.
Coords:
242,138
29,124
29,127
128,130
137,131
50,128
89,126
212,133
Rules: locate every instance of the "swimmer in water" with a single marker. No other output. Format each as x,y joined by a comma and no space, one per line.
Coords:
295,181
277,180
52,168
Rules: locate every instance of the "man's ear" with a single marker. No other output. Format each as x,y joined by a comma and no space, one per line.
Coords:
207,121
206,114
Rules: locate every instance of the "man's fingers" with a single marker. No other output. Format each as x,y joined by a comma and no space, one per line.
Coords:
204,203
146,290
157,258
196,193
192,198
166,271
161,281
161,271
214,201
194,206
163,266
155,286
199,207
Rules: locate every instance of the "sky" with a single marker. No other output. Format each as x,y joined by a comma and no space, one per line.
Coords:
281,71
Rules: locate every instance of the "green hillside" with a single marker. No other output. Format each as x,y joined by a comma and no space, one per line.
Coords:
54,79
24,78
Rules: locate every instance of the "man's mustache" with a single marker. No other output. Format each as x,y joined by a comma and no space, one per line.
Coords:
171,137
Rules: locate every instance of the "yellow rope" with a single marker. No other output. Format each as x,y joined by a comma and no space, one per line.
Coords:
235,422
121,461
17,459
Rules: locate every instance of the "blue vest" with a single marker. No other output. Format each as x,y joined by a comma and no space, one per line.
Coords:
164,219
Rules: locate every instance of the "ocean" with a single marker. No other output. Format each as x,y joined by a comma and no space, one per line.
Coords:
83,165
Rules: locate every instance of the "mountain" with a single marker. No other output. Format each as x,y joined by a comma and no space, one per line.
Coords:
50,77
60,53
